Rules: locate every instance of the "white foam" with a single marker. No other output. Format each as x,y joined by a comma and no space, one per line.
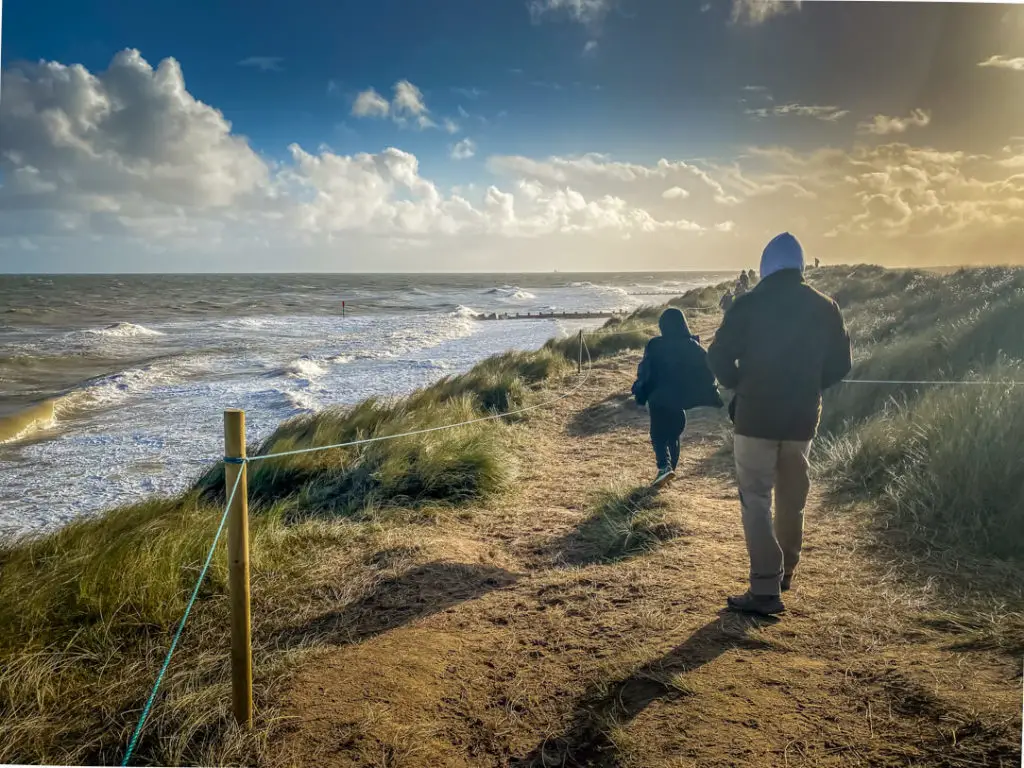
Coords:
304,368
513,293
124,331
113,389
461,311
302,401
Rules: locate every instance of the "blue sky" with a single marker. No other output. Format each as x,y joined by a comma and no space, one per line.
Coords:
553,96
634,80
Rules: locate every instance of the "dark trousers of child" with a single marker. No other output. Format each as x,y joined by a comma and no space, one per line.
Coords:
667,427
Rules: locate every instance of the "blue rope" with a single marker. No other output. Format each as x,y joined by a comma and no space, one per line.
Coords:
177,635
235,460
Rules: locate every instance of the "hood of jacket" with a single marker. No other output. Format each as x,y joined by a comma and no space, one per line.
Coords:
672,324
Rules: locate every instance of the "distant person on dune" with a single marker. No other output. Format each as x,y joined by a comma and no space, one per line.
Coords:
725,303
673,377
742,285
778,348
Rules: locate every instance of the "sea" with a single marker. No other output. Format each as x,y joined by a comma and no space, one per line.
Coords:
112,388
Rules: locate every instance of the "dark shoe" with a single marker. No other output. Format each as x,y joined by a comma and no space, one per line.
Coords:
665,476
787,581
763,605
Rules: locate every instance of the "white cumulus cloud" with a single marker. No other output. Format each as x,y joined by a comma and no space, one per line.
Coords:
883,125
126,160
128,154
408,101
827,114
463,150
585,11
1004,62
104,144
759,11
369,103
406,108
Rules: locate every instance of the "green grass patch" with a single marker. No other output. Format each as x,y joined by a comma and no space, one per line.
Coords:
627,336
624,523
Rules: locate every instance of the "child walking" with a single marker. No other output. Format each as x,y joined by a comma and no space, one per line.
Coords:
672,378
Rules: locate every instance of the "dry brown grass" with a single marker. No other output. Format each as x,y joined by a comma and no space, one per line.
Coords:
544,630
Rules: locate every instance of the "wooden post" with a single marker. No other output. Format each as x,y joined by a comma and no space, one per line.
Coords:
238,569
579,368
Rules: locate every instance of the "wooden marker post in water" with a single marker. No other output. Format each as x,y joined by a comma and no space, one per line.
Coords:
238,568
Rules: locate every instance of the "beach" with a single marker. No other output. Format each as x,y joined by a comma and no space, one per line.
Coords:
112,387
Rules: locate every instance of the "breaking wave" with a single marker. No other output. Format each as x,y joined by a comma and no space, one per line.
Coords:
514,292
124,331
18,425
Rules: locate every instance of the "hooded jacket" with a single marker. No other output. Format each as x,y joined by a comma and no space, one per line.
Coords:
779,348
674,372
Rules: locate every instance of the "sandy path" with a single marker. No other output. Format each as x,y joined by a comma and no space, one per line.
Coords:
504,640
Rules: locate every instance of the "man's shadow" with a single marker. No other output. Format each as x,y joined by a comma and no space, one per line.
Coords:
414,594
586,744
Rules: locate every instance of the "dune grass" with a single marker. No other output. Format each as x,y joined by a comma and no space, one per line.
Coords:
449,465
704,298
942,459
625,336
940,466
86,612
623,523
85,619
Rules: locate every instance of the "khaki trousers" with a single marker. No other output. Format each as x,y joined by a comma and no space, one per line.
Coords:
773,544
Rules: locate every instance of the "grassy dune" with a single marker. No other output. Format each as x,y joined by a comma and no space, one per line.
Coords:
86,613
942,459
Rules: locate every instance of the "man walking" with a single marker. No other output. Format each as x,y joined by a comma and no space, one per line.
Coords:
778,348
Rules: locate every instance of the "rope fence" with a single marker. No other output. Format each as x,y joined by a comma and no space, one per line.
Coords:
937,382
241,462
181,627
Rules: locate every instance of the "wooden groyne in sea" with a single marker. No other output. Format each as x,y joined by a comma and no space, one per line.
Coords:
549,315
655,293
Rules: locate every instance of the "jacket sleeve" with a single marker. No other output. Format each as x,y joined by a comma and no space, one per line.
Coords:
703,380
644,377
839,358
727,348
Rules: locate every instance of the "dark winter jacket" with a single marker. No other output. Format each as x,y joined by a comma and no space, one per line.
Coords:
779,348
674,372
